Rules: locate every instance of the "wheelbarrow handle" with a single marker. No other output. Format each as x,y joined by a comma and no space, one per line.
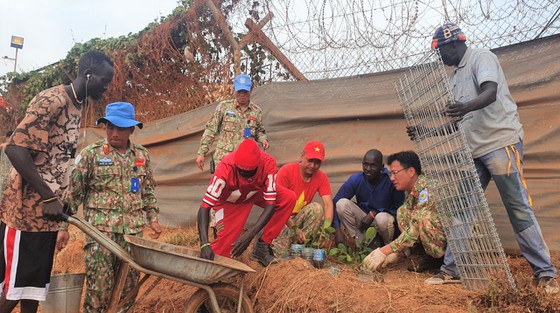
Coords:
100,237
65,217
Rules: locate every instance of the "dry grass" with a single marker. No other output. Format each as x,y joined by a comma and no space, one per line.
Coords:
296,286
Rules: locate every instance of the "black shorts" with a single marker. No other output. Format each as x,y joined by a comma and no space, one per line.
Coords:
26,260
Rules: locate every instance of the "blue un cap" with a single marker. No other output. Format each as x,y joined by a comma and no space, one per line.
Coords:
120,114
242,82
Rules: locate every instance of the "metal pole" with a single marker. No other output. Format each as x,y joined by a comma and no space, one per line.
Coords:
15,60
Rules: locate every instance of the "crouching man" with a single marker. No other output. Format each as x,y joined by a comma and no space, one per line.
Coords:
418,220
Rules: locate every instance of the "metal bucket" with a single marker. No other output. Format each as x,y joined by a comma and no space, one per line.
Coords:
65,293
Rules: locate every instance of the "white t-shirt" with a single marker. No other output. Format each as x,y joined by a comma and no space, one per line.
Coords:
497,125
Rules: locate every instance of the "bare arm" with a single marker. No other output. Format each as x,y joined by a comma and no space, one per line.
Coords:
243,242
203,223
23,163
487,96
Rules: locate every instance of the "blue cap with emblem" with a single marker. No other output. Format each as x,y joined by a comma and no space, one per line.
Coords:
447,33
242,82
120,114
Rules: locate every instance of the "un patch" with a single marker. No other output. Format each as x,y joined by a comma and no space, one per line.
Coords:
423,196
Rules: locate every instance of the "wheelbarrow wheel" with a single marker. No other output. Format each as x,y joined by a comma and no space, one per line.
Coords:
227,296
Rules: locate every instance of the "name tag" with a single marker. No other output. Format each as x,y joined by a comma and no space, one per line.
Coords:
105,162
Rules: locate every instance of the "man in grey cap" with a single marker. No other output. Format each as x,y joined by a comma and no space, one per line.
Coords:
113,180
232,122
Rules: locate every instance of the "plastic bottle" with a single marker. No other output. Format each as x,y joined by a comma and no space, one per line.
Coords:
319,258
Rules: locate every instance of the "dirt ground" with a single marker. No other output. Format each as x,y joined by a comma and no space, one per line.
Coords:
296,286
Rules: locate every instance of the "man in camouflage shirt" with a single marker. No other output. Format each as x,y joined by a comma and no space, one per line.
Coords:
417,217
113,180
40,150
233,121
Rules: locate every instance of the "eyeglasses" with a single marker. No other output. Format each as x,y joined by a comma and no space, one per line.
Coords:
394,173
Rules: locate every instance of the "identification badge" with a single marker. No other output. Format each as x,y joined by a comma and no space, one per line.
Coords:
230,113
135,185
105,162
247,132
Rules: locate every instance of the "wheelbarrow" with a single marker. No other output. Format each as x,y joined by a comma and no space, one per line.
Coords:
175,263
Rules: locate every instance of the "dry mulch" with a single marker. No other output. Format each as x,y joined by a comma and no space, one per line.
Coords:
296,286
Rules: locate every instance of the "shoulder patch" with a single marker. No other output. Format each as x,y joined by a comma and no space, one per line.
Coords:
423,196
78,159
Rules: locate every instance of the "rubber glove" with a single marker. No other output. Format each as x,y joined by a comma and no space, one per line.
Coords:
374,260
378,258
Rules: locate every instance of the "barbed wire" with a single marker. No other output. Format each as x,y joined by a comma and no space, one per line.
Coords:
337,38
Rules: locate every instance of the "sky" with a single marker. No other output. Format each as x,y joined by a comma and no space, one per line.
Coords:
50,28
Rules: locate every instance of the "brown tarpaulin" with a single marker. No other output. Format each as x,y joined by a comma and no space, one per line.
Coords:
354,114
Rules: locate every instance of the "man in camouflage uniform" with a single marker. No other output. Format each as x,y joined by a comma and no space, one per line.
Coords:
417,217
233,121
113,180
40,150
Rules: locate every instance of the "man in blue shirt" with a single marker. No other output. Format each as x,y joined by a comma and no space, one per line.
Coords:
376,201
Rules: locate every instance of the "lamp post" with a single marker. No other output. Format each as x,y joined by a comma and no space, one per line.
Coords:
17,42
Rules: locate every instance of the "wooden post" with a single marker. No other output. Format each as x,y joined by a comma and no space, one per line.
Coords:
252,34
222,23
118,286
255,34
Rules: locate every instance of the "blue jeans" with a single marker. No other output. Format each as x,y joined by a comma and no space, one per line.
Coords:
504,166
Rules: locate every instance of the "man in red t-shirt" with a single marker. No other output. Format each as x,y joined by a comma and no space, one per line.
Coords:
305,179
244,177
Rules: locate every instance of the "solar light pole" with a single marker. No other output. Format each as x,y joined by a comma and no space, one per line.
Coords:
17,42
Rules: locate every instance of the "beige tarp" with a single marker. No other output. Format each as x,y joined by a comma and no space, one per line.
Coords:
352,115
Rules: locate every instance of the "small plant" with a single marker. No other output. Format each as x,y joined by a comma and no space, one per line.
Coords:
358,254
324,234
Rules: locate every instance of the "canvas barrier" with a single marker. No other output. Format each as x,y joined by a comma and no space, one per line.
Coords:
354,114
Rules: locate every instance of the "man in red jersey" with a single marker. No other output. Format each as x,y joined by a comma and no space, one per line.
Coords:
243,178
305,179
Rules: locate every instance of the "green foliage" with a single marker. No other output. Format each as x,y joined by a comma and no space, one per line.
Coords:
158,48
357,254
325,233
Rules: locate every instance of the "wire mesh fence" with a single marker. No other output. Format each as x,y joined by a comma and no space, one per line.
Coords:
330,39
441,145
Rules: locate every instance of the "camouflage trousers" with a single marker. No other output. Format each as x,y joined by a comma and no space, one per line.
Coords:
425,226
309,220
101,271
